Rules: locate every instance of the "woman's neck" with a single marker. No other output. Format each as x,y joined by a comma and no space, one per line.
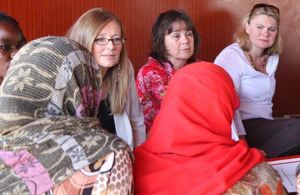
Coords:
177,64
258,60
103,71
104,89
256,54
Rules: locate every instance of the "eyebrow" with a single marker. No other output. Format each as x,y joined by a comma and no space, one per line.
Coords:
5,39
176,30
10,41
103,34
258,24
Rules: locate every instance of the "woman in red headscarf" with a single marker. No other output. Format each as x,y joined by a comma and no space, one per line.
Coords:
190,150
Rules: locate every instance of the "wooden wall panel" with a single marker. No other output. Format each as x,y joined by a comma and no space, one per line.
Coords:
215,20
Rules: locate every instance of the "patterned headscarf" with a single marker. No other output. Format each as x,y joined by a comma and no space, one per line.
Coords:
48,126
49,77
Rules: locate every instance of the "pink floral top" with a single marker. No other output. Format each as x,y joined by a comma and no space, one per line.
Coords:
152,81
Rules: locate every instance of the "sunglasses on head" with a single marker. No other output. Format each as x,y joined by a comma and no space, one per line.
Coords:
265,6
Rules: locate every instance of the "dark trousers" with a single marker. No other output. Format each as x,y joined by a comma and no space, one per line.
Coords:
280,137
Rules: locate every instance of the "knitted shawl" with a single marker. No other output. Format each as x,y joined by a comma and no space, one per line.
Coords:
48,127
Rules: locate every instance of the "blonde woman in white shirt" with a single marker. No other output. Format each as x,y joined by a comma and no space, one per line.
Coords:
102,33
252,62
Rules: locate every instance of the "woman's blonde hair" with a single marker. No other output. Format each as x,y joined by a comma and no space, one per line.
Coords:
85,31
242,38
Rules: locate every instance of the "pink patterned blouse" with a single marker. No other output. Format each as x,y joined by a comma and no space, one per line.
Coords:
152,81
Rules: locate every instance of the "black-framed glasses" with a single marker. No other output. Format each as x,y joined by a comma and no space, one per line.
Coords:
115,41
265,6
10,48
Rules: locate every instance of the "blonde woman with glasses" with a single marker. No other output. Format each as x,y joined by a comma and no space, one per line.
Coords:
102,33
252,62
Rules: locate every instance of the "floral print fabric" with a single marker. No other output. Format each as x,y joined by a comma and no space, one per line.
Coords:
152,81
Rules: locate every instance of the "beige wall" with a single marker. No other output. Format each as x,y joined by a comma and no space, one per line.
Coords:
215,20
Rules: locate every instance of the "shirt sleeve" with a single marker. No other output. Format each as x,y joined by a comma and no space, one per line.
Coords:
238,123
151,83
232,63
136,116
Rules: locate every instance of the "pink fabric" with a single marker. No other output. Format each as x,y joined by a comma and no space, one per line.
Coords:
90,102
29,169
189,149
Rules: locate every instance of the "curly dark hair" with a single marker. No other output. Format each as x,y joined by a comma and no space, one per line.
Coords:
4,16
164,24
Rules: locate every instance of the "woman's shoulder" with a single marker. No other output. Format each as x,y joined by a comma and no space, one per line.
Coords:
151,65
274,57
231,52
274,60
152,62
233,48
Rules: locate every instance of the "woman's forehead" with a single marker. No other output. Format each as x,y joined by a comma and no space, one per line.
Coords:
264,19
179,25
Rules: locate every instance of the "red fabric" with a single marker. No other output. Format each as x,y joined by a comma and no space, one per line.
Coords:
152,82
189,149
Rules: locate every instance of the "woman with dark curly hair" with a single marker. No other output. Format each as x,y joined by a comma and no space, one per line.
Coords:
175,43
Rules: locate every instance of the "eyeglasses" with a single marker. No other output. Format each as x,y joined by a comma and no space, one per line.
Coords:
263,5
115,41
10,48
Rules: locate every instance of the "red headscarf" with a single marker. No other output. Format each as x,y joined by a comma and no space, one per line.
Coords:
189,149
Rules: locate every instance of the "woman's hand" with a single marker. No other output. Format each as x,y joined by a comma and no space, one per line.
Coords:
262,152
243,137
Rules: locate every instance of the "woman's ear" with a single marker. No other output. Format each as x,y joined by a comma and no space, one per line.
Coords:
247,27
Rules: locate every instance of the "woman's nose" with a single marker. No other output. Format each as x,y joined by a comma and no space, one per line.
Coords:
184,39
110,44
266,32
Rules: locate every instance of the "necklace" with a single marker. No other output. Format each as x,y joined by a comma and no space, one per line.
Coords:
263,65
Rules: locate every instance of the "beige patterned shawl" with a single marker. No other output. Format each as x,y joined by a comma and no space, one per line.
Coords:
48,106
